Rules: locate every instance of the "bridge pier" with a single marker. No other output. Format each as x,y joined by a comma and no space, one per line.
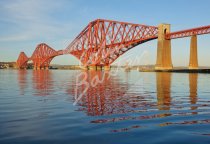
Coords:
98,67
163,61
193,63
37,67
92,67
106,68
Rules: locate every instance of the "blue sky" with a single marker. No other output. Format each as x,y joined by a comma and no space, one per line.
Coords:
26,23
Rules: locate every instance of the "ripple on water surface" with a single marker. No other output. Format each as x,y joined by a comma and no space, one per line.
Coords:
130,107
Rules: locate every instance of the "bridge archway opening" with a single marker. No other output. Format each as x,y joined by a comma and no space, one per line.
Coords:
165,30
141,55
180,52
64,60
30,64
203,49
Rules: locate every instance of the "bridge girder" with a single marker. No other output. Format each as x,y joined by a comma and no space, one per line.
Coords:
103,41
43,55
22,61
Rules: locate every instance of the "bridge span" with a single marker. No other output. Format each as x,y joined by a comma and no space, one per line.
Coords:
101,42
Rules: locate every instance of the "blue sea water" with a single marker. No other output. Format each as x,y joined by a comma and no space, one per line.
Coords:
69,106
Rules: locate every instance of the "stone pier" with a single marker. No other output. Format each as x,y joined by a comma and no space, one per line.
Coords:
163,61
107,68
98,68
92,67
193,63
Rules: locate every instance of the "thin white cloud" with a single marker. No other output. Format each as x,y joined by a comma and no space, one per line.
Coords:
14,38
31,19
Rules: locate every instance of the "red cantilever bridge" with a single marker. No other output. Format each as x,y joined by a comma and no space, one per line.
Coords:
101,42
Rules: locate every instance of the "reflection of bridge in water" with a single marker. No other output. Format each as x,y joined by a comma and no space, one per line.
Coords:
104,96
41,82
114,97
111,96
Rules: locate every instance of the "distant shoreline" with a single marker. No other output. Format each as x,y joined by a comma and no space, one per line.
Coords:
140,68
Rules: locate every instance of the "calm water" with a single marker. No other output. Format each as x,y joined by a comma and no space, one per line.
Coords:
37,107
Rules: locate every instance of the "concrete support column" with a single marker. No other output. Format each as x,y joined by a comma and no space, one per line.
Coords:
84,67
107,68
34,66
163,61
38,67
193,64
92,68
98,67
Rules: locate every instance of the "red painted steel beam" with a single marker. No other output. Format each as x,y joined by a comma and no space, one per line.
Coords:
189,32
22,60
103,41
43,55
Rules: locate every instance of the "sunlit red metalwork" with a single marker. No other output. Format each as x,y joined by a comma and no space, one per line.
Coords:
189,32
103,41
22,61
43,55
